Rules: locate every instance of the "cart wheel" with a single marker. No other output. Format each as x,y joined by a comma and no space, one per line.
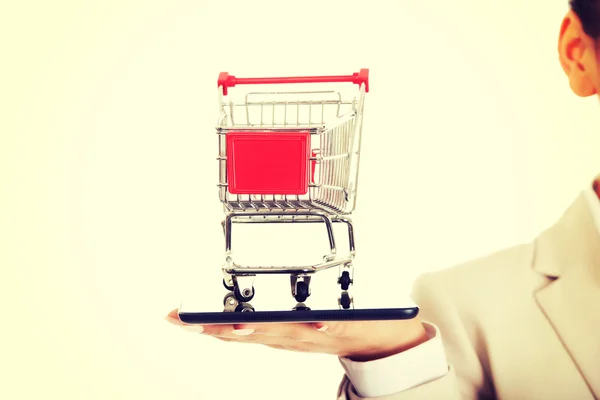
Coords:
345,300
301,292
227,299
227,286
301,307
244,307
345,280
245,297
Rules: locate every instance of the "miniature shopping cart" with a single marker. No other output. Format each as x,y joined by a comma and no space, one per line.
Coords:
289,157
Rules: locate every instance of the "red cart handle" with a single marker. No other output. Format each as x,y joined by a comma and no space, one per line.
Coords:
358,78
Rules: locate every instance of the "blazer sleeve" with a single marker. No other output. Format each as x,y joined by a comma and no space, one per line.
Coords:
466,378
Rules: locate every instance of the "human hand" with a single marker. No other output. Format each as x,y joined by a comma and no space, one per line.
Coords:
356,340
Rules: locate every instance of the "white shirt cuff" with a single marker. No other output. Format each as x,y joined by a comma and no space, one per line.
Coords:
402,371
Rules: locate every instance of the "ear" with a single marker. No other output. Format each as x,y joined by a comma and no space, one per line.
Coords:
576,51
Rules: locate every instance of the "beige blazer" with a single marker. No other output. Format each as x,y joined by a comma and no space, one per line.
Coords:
522,323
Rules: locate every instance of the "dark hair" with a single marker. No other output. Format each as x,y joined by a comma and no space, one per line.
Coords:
588,12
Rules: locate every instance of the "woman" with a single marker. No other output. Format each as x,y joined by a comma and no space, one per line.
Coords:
522,323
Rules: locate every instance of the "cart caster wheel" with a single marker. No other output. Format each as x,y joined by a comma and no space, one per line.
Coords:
244,297
301,307
345,280
301,292
227,286
229,299
345,300
244,307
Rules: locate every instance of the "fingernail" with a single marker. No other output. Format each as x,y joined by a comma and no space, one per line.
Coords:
243,332
193,328
174,321
323,328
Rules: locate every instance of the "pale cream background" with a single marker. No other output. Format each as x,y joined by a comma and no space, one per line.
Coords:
108,203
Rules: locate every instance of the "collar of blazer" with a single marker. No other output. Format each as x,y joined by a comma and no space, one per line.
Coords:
569,254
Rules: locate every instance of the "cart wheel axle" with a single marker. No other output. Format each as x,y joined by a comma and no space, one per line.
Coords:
245,295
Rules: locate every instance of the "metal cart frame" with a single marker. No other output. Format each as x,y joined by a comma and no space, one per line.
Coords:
331,127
